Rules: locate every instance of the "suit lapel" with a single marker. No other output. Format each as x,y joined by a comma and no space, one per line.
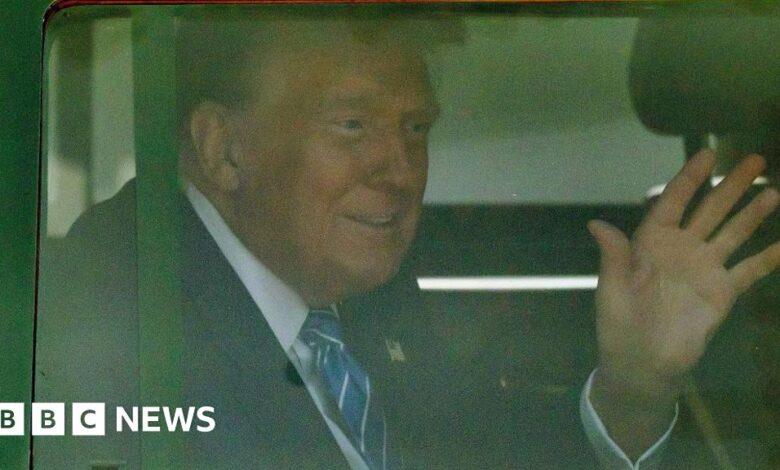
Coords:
392,314
233,360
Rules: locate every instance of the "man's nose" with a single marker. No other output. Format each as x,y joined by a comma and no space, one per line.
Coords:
394,162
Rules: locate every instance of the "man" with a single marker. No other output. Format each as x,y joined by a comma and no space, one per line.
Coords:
305,164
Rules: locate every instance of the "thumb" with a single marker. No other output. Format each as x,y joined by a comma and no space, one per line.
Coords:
615,251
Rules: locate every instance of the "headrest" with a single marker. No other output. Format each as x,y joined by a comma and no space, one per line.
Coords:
707,74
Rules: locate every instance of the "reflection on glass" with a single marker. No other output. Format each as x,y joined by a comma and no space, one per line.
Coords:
426,173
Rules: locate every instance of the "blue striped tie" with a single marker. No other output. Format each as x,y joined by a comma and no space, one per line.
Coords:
349,386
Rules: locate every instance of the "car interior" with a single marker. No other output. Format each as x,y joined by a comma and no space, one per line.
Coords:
553,114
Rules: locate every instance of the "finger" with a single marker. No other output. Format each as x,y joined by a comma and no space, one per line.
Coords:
739,228
750,270
718,203
615,253
669,208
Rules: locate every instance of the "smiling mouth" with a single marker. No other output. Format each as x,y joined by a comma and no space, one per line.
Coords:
377,222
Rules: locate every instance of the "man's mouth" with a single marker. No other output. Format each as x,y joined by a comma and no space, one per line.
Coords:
377,221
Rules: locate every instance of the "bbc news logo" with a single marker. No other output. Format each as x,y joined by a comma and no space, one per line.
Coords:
89,419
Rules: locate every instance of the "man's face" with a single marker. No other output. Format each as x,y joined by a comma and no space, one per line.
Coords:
332,161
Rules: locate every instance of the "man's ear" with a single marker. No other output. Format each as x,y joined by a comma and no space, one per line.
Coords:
211,136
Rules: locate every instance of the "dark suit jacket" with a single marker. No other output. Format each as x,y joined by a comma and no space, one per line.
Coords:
443,414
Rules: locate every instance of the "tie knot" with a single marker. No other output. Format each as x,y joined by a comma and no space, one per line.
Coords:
322,327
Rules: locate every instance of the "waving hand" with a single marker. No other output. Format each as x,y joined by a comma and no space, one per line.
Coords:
663,294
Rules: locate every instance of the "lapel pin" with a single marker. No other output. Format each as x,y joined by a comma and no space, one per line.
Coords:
395,351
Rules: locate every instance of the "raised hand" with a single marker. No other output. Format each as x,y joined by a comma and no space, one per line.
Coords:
663,295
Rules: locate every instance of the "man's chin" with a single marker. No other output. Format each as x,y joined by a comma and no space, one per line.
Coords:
366,278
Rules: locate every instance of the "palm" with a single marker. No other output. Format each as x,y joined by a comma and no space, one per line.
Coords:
662,295
676,298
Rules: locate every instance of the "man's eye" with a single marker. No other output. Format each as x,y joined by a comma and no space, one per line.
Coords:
351,125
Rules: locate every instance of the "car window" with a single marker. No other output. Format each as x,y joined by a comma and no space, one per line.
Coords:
212,173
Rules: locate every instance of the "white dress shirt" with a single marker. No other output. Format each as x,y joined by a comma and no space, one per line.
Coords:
285,311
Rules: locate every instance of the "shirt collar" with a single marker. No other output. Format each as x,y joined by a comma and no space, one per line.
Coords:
284,310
